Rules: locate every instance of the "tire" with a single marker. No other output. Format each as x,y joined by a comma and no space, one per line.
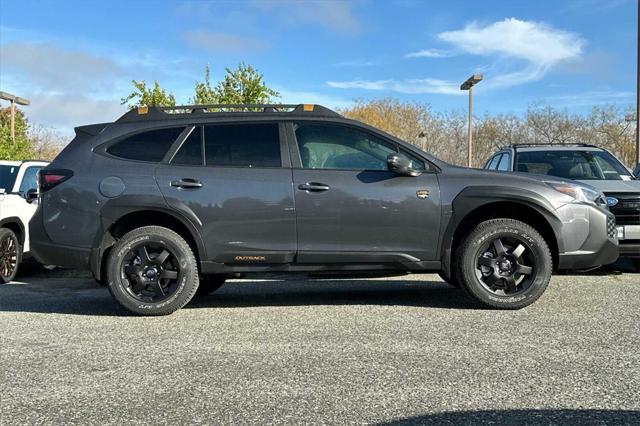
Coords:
152,271
209,284
504,264
635,262
10,255
451,280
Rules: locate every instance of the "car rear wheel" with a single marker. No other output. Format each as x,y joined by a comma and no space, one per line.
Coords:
152,271
210,283
503,263
10,255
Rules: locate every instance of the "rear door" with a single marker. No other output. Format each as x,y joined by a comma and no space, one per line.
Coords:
236,182
350,207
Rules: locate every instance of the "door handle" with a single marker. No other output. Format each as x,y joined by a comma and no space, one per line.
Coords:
313,187
187,183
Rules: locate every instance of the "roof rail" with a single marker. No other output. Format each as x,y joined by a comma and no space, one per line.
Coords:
526,145
145,113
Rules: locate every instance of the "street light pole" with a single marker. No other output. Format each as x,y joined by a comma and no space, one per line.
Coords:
638,86
14,100
468,85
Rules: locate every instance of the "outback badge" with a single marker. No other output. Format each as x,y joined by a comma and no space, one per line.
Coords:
422,193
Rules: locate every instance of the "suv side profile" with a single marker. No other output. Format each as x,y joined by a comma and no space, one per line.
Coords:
167,202
17,205
590,165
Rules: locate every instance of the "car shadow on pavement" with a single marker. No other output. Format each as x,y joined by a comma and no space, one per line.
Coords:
525,416
431,294
85,297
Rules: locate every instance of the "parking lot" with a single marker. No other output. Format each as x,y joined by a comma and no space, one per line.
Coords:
387,350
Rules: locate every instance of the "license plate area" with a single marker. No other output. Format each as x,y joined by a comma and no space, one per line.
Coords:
620,232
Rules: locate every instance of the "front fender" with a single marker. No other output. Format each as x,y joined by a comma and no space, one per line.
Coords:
473,198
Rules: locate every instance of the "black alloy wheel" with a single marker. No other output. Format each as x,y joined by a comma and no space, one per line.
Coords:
506,266
152,271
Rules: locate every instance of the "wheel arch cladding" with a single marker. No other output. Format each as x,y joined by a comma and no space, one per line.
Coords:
148,217
476,204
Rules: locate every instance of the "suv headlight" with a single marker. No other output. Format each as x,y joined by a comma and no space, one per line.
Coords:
580,193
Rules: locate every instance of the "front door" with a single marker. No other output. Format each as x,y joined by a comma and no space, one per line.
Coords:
351,208
234,182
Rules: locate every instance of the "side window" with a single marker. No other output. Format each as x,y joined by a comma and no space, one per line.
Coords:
503,165
494,162
329,146
190,153
242,145
146,146
29,179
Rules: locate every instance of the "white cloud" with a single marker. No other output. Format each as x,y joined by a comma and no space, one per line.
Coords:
533,41
522,51
541,46
429,53
218,41
408,86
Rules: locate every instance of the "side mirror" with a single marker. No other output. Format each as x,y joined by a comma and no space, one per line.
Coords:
401,165
31,195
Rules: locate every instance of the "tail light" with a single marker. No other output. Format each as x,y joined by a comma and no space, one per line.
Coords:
49,179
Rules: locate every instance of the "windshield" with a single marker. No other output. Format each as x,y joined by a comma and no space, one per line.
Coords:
8,177
578,165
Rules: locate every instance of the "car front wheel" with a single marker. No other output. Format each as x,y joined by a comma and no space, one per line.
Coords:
10,255
503,263
152,271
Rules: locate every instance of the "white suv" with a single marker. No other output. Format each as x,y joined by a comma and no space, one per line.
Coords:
18,202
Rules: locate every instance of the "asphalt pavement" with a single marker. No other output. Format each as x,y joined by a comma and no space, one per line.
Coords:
268,350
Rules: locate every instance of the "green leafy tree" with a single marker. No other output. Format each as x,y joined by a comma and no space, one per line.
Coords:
243,85
143,96
21,148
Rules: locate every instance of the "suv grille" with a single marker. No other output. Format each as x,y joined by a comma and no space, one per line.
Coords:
627,211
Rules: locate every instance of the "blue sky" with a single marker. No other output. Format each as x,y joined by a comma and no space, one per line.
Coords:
76,59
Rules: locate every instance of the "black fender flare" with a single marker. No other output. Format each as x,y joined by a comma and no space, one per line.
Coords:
474,197
117,208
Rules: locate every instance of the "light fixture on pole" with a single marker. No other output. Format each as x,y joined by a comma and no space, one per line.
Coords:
468,85
14,100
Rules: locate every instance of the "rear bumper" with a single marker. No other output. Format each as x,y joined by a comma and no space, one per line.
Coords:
50,253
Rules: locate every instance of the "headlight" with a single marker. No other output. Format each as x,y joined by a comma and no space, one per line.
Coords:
580,193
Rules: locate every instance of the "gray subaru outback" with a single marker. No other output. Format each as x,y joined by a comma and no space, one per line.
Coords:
589,165
165,203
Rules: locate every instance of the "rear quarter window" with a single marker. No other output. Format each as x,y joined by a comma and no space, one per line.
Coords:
151,145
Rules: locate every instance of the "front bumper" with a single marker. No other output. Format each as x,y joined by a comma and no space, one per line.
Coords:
589,237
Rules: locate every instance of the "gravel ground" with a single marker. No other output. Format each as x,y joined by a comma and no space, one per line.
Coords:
386,350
